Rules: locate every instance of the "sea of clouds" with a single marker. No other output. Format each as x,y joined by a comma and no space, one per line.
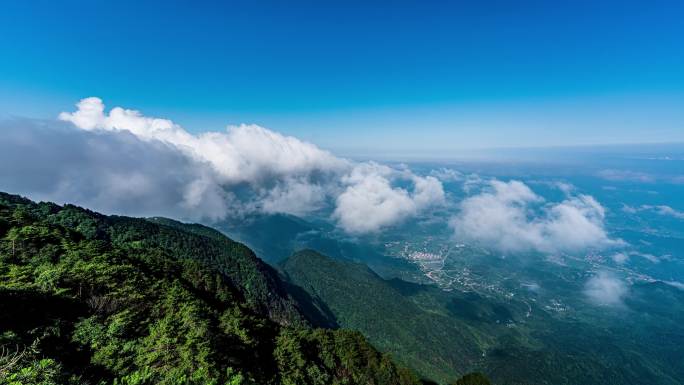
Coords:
121,161
126,163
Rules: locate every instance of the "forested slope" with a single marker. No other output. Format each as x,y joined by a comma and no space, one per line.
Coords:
355,297
91,299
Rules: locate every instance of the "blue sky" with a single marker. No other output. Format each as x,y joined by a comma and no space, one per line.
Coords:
361,76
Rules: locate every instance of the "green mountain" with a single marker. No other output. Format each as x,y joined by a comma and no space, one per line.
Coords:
354,297
271,236
93,299
442,334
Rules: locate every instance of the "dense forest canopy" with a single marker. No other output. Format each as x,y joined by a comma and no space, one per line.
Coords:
92,299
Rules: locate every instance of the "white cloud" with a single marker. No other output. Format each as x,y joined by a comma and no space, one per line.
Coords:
677,284
244,153
427,191
657,209
626,176
90,114
629,209
108,172
446,174
639,177
533,286
370,202
138,165
471,182
296,197
664,210
605,289
649,257
620,258
565,187
510,217
555,259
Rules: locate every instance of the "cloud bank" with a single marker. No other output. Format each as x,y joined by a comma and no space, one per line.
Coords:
124,162
109,172
510,217
369,202
639,177
626,176
245,153
657,209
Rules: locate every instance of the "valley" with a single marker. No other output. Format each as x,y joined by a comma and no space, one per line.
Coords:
520,317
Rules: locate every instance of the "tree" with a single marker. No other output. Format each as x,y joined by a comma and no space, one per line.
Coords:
473,379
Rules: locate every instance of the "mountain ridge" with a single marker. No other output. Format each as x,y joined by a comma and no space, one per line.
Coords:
93,299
